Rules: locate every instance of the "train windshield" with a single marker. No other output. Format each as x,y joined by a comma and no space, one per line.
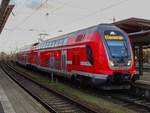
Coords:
117,48
116,43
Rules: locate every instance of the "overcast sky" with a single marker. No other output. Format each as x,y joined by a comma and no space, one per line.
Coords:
33,17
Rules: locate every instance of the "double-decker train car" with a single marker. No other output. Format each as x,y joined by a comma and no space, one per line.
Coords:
101,55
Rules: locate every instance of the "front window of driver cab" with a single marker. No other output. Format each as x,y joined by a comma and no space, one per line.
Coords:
116,43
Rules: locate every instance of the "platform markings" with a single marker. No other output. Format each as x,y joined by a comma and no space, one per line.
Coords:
6,105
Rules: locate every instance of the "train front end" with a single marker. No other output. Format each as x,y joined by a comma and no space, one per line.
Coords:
120,63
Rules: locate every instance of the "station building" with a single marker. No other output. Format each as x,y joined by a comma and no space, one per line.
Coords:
139,33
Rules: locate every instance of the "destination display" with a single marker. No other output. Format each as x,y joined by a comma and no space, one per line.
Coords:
109,37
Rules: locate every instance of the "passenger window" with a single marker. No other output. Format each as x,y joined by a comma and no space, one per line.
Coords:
57,43
49,44
54,43
65,41
44,45
80,38
89,54
61,42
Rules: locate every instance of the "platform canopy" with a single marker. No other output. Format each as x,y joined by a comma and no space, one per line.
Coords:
137,29
5,10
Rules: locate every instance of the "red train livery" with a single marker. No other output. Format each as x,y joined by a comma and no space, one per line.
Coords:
101,54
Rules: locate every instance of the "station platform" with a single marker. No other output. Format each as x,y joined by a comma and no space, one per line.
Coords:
145,78
143,84
13,99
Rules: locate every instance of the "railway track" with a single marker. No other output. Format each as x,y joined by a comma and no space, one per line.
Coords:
139,104
52,100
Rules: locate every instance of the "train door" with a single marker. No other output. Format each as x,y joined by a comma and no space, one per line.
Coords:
39,58
64,60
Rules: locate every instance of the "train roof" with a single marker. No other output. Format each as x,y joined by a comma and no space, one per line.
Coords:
62,40
89,29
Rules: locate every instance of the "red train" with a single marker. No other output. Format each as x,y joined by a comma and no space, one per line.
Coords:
101,54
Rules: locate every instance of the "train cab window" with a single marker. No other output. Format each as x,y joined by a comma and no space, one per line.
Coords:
117,44
89,54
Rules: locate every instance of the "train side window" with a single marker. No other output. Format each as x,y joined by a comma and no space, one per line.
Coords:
89,54
43,45
54,43
49,43
80,38
57,43
65,41
61,42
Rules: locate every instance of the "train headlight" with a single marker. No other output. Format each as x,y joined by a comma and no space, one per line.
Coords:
129,63
111,63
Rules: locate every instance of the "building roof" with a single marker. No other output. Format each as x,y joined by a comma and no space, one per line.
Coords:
132,25
137,29
5,10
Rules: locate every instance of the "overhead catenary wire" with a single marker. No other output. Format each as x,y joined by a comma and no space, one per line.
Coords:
36,10
90,14
73,21
29,16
